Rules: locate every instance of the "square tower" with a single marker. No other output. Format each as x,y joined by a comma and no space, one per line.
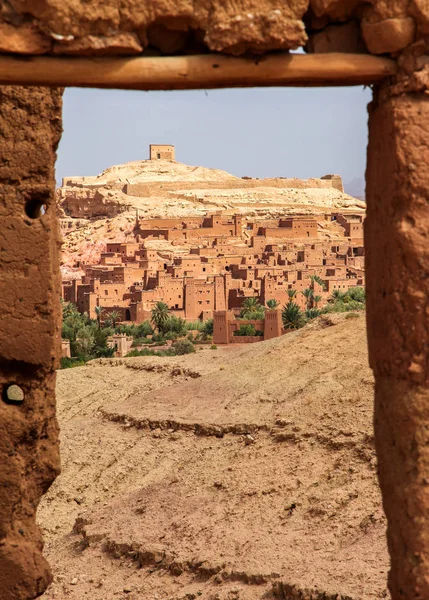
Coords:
161,152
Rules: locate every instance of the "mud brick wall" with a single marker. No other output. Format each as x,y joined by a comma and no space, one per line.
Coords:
30,128
396,232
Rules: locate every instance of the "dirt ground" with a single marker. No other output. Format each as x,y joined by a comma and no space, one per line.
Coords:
241,473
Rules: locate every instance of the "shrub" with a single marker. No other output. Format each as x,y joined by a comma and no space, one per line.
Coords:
171,335
352,315
67,362
208,327
183,347
195,326
292,316
312,313
247,329
357,293
149,352
213,347
158,338
273,303
143,329
139,342
84,344
175,325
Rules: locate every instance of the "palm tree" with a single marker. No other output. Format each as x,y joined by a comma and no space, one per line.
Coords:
338,296
308,293
114,317
74,321
98,312
357,294
316,279
291,294
68,309
292,316
251,308
272,304
250,304
160,315
316,300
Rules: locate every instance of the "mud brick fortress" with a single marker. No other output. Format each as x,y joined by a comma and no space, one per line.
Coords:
202,240
225,258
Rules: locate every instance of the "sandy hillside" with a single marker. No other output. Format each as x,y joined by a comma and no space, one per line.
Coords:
242,473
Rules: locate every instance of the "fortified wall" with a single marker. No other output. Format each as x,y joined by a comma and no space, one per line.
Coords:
148,189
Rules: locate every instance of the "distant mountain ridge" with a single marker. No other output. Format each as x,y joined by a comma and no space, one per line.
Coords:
356,188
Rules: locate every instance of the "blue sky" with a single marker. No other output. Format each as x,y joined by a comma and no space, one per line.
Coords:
290,132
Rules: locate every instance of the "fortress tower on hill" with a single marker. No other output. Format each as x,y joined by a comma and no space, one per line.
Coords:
161,151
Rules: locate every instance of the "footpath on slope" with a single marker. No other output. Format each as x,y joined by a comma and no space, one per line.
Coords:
242,473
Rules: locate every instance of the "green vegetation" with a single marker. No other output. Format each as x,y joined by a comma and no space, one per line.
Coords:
316,279
208,327
294,318
114,317
248,329
194,325
183,347
159,316
67,363
88,337
178,348
273,304
150,352
252,310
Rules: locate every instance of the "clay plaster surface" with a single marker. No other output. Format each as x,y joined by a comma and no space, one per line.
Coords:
30,126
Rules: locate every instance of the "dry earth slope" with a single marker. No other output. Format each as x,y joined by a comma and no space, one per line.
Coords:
241,473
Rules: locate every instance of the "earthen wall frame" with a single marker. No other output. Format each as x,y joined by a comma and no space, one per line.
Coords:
396,233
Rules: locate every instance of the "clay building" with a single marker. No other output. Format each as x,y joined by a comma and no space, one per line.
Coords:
161,152
191,228
291,227
224,261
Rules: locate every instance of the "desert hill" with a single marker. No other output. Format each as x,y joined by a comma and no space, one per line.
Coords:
105,207
241,473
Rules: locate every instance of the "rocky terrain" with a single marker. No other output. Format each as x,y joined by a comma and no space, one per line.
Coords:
104,208
241,473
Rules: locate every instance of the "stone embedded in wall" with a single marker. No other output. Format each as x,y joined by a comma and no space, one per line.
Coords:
30,127
388,36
